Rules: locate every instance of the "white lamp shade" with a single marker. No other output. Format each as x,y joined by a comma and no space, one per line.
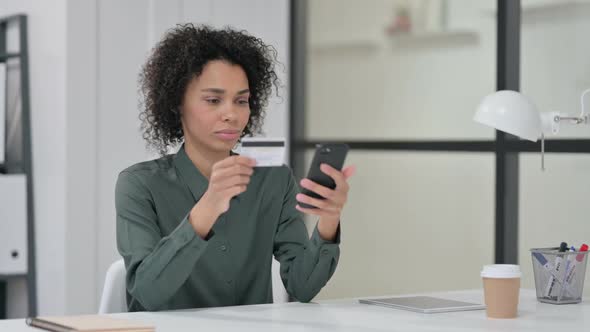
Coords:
511,112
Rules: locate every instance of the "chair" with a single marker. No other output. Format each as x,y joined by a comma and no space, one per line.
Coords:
279,293
114,292
114,299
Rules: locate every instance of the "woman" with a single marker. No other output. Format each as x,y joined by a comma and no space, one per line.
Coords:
199,228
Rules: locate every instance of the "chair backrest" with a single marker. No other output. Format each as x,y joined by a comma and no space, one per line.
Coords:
279,293
114,292
114,299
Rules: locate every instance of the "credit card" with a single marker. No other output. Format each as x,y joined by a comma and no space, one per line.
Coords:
268,152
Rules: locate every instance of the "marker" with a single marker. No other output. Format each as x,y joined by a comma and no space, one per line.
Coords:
543,261
558,263
546,264
563,247
580,257
569,274
568,265
569,259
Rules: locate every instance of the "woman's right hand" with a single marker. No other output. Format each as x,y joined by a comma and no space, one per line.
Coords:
229,178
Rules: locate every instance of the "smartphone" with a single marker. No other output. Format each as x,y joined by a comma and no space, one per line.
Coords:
332,154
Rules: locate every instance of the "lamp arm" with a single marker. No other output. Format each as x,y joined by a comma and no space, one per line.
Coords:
574,119
552,120
550,124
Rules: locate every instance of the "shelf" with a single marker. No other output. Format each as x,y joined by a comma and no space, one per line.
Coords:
402,40
19,23
345,45
434,39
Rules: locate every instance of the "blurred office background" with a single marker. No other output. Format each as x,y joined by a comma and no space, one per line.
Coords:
424,220
388,73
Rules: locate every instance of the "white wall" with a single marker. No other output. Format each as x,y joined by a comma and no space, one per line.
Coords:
85,60
82,162
47,51
121,26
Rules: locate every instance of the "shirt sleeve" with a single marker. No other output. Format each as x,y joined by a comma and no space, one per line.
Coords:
156,265
306,264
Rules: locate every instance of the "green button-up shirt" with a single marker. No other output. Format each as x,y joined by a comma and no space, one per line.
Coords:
170,267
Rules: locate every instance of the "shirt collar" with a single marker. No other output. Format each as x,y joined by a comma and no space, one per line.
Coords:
190,174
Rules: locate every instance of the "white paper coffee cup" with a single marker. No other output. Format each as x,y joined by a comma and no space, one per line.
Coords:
501,283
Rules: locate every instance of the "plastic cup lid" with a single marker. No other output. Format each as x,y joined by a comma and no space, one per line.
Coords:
501,271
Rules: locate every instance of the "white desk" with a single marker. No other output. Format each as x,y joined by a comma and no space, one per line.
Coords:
349,315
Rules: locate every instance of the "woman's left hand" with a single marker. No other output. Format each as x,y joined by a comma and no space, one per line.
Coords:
329,208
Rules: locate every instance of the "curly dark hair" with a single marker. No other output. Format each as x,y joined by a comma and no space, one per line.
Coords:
179,57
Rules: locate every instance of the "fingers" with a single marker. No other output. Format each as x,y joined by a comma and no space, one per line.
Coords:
235,160
231,181
318,212
319,203
348,172
336,175
234,191
318,188
229,178
236,169
335,199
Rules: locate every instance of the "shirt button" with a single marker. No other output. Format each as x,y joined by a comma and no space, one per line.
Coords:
229,282
223,248
325,252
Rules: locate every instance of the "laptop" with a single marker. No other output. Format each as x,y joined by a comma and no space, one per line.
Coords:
424,304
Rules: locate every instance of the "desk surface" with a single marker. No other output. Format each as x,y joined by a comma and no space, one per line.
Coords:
349,315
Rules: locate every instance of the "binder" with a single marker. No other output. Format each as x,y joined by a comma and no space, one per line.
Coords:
13,224
2,111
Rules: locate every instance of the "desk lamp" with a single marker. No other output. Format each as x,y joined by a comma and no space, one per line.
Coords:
514,113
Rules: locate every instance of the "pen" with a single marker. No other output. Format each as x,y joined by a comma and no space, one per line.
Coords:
568,265
569,259
558,263
571,272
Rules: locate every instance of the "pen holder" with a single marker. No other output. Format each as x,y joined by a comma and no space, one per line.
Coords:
559,276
